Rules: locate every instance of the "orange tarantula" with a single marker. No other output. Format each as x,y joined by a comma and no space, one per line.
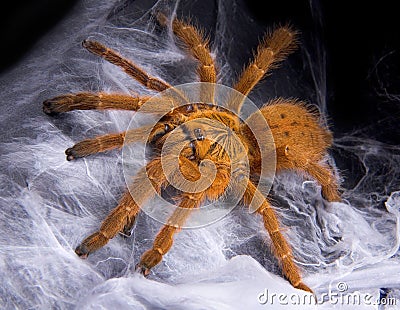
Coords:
301,143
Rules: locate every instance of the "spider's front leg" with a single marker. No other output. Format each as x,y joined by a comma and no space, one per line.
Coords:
198,47
121,219
126,65
96,145
275,47
189,201
107,142
92,101
253,197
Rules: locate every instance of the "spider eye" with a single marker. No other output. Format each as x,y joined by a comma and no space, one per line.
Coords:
199,134
167,127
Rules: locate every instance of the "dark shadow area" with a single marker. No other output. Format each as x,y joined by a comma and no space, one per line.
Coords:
23,23
363,52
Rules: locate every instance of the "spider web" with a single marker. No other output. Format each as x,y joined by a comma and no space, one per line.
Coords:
48,205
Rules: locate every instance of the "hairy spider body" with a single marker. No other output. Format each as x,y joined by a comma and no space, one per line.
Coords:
210,140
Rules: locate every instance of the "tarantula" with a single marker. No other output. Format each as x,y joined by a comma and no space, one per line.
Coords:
301,143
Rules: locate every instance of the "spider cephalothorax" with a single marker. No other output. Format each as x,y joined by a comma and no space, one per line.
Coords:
205,139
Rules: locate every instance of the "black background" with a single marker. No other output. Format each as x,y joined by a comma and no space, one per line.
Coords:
362,42
363,52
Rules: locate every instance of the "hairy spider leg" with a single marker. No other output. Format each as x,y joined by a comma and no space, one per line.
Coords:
198,47
324,176
274,48
322,173
108,142
164,239
92,101
95,145
112,141
189,201
281,248
129,67
121,218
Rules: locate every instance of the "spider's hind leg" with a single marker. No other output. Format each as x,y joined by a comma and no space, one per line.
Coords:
275,47
323,174
281,247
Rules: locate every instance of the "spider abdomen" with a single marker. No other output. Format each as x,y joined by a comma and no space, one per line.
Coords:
296,129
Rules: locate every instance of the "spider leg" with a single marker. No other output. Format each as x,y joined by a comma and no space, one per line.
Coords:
107,142
127,230
275,47
198,47
122,217
96,145
322,173
189,201
112,141
324,176
164,239
123,214
92,101
129,67
282,250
